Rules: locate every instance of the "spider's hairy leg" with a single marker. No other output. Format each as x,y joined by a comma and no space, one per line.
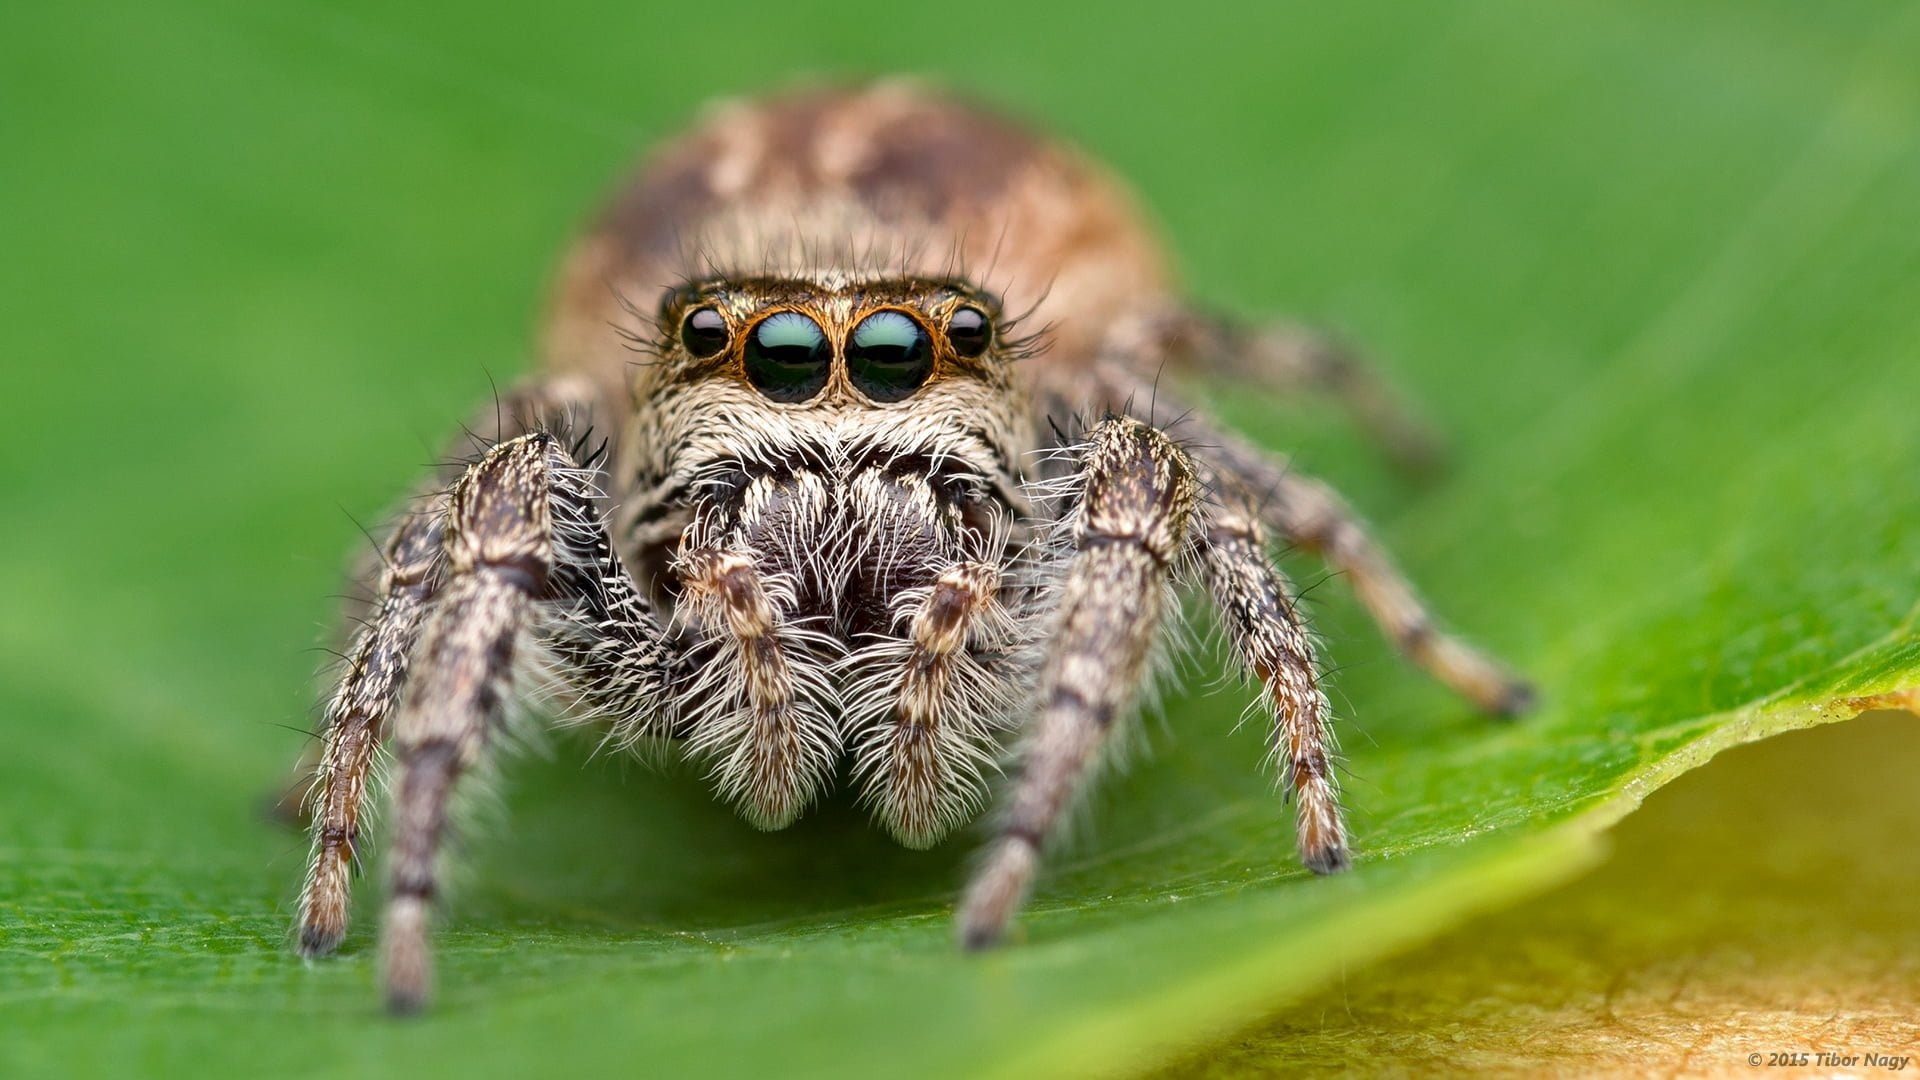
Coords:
499,549
1274,643
377,659
772,754
1312,516
1128,529
520,533
921,757
1291,358
356,716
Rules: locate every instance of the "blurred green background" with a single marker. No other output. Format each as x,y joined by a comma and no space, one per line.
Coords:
1656,269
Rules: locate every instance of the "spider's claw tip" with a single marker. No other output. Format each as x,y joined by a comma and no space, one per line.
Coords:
980,936
1517,698
405,1002
317,941
1328,860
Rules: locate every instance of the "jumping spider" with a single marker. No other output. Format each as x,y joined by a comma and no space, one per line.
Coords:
838,509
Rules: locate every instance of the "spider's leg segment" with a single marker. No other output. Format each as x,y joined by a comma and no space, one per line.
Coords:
1127,530
522,537
1290,358
1274,643
1311,515
355,720
378,656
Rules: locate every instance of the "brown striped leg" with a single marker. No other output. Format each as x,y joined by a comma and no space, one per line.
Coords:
1285,358
499,550
377,660
1310,515
1290,358
1273,642
1128,528
452,711
919,758
521,530
355,725
757,719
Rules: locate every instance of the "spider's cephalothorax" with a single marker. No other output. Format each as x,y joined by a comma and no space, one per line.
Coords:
825,513
836,455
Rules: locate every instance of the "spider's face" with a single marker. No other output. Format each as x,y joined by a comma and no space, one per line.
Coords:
801,341
820,420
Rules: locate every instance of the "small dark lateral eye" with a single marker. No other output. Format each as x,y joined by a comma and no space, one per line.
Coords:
787,357
889,356
968,331
704,332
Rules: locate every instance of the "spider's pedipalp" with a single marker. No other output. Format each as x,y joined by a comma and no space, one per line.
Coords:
930,706
762,716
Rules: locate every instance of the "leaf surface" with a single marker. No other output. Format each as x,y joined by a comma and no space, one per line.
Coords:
1654,268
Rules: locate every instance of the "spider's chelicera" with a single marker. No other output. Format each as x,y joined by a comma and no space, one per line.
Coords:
841,515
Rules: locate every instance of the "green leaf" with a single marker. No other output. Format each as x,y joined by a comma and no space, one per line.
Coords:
1652,266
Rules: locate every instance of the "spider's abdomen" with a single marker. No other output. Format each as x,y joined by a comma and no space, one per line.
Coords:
892,178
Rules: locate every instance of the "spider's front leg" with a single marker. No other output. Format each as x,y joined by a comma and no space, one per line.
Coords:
377,660
520,536
355,716
1127,530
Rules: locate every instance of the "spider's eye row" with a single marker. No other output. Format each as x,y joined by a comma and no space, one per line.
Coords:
787,357
969,332
889,356
704,332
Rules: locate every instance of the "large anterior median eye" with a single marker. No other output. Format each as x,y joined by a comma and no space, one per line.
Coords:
890,356
787,357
